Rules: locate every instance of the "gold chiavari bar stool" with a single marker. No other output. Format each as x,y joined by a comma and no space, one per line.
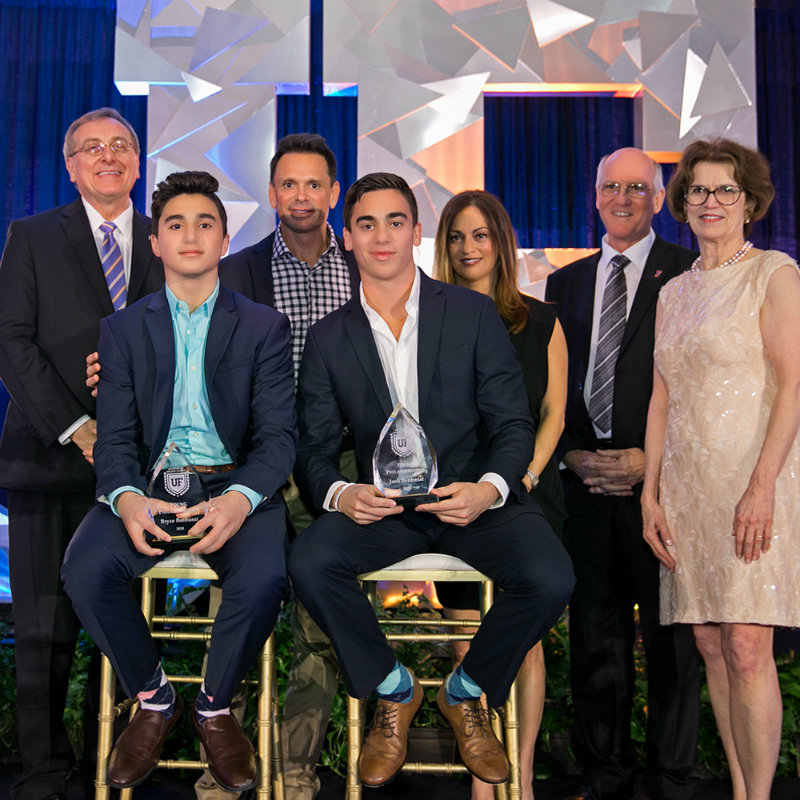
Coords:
183,565
433,567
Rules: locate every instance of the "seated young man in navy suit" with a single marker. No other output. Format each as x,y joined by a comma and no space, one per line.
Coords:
443,352
201,366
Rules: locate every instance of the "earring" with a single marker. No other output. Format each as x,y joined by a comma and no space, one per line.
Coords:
747,220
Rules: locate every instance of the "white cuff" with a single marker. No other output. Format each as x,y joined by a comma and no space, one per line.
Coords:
66,437
500,484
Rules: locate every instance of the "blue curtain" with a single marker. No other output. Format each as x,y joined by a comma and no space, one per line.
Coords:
540,153
57,62
777,76
336,120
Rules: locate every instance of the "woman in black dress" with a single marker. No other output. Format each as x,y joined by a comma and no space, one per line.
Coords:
476,248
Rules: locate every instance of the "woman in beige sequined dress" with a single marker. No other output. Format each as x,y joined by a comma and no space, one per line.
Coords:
721,499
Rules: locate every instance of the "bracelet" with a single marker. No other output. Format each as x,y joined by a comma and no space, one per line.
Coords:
534,478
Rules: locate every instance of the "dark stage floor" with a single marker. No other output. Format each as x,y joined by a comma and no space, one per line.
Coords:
169,786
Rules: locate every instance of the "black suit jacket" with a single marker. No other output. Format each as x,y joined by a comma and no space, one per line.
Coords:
572,289
249,378
249,271
472,399
52,297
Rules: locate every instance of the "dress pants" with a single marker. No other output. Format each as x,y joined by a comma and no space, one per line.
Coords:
45,632
101,564
513,545
614,569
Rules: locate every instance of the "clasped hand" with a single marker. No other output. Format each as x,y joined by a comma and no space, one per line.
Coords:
463,503
220,518
611,472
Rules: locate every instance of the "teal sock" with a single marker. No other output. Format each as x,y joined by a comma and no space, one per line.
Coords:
459,687
397,686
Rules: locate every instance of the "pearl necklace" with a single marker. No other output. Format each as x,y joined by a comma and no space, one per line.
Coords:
737,256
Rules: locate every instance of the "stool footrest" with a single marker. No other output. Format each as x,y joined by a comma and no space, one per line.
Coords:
431,768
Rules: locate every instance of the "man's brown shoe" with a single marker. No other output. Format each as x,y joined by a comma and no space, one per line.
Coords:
136,753
480,751
230,756
384,751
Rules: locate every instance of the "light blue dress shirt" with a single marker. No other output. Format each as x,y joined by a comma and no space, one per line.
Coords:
192,426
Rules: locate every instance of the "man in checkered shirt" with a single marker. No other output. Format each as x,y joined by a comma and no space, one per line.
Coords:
304,271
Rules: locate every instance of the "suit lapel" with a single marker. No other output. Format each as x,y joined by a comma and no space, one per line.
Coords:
141,256
582,317
360,335
77,229
653,278
158,324
260,267
431,319
223,322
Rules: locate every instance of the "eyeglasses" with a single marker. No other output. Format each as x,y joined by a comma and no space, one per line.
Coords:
95,149
631,189
724,195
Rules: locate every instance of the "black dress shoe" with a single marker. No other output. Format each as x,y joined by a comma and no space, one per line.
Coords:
136,753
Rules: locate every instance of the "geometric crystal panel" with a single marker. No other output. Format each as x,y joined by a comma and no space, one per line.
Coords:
210,68
418,67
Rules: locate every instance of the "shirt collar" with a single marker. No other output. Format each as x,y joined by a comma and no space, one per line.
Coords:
637,253
124,221
178,307
280,248
412,304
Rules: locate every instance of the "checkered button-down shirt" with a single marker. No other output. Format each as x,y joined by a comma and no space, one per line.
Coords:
307,295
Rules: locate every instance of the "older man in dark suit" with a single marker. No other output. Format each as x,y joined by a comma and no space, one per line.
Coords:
606,304
443,352
62,271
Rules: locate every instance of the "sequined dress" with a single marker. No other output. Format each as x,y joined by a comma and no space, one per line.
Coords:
721,385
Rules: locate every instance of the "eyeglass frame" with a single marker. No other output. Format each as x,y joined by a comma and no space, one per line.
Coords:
628,187
709,192
128,145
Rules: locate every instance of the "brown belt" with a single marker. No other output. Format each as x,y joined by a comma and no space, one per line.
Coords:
213,469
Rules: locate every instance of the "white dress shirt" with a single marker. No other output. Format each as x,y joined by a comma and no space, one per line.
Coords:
399,362
638,254
124,236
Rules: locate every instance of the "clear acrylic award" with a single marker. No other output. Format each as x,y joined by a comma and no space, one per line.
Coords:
404,461
176,481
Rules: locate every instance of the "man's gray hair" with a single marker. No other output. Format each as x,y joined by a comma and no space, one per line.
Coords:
93,116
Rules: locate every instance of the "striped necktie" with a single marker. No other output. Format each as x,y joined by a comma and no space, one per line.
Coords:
609,338
113,266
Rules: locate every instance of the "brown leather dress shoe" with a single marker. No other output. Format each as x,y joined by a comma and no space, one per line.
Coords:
136,753
480,751
230,755
384,751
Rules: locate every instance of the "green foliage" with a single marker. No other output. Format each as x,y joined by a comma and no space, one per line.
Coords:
427,661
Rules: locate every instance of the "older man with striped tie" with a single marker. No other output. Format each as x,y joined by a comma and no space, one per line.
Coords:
607,304
61,272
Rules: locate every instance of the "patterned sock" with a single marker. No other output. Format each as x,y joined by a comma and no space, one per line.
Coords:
459,686
204,706
158,694
397,686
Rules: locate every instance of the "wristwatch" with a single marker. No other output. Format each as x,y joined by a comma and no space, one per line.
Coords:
534,478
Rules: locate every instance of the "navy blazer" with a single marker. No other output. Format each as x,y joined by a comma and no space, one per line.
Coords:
472,399
250,271
249,378
572,289
52,297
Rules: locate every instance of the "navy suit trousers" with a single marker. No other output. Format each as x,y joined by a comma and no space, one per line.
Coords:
513,545
101,563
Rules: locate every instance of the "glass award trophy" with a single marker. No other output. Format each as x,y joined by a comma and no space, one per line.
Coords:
404,461
176,481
